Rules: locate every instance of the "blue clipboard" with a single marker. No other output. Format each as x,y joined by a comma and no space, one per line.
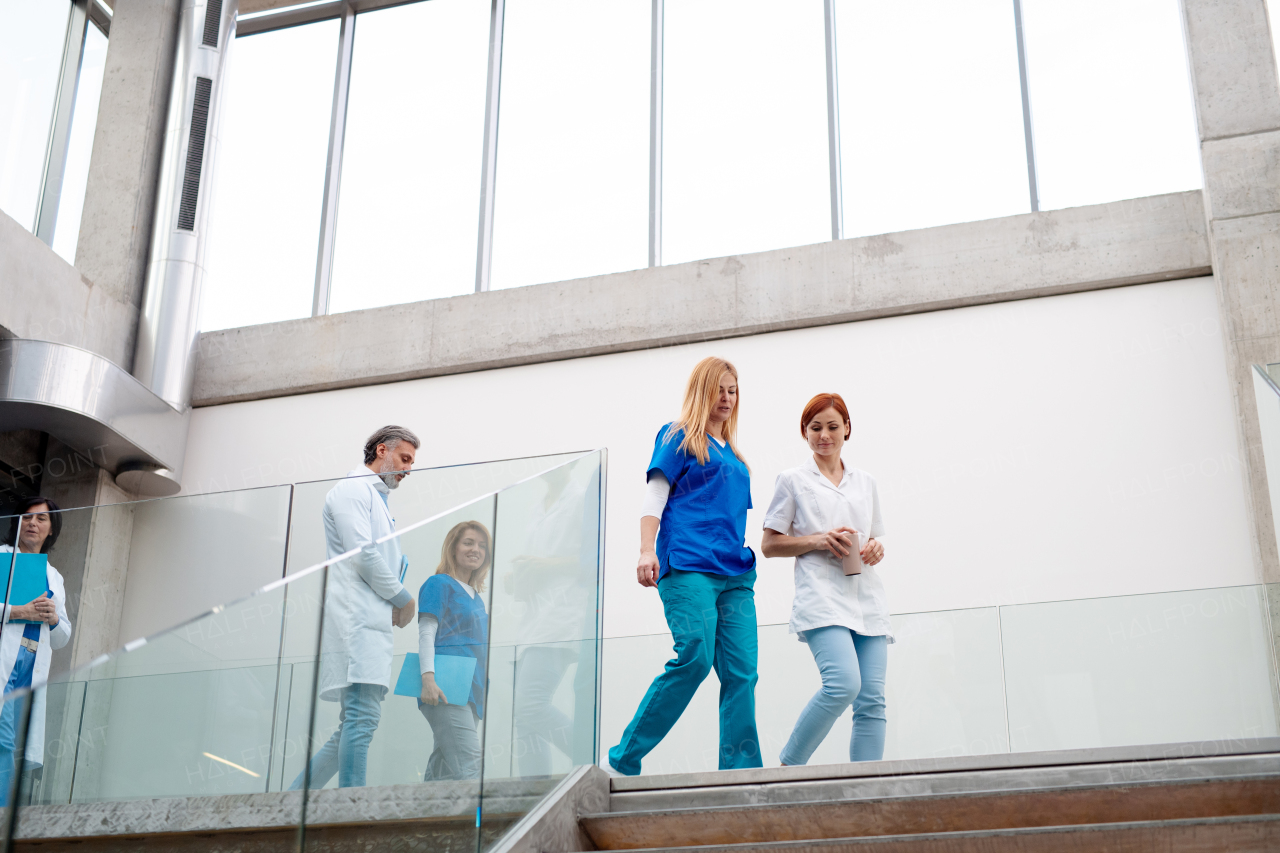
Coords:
30,580
454,674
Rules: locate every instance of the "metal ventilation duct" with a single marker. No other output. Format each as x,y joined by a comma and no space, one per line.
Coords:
168,328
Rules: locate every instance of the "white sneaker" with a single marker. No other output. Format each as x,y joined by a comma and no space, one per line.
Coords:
608,768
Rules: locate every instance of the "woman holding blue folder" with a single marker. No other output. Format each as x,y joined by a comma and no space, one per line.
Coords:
30,633
452,623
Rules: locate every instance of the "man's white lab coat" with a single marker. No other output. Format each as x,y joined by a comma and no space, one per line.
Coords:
356,643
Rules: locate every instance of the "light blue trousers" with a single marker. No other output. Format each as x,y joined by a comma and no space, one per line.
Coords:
347,752
852,668
10,718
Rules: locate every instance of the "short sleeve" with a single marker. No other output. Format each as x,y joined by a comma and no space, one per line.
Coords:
667,456
433,596
877,520
782,508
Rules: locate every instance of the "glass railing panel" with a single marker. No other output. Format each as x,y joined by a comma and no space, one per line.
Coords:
189,713
377,733
1166,667
944,687
199,712
944,693
544,625
134,569
1266,395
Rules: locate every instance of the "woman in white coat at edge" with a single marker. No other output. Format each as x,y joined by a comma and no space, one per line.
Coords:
26,648
821,512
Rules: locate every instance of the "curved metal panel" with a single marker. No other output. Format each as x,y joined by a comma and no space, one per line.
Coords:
93,406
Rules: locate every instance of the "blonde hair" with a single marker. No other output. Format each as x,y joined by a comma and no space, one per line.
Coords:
449,556
700,396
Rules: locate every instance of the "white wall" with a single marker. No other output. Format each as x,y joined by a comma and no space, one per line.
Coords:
1055,448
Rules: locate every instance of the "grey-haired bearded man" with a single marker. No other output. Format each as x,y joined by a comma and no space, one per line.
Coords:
364,597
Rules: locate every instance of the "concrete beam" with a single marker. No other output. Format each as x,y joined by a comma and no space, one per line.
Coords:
1237,98
115,230
44,297
1017,257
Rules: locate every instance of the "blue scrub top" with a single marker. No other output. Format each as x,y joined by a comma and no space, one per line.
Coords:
704,525
463,628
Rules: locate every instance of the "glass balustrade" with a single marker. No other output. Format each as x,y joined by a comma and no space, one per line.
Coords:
235,700
1193,666
240,707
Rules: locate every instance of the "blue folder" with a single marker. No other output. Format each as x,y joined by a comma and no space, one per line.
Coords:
30,578
454,674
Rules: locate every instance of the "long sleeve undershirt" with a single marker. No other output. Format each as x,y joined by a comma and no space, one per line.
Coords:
428,624
657,490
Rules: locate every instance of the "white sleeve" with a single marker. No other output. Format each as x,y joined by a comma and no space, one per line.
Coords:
782,507
427,627
656,492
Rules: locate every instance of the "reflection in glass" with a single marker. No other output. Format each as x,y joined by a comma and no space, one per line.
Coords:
930,114
269,181
1110,100
573,164
75,177
409,203
31,44
453,645
745,147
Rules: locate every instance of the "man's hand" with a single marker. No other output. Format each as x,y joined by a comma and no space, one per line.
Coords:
431,694
404,615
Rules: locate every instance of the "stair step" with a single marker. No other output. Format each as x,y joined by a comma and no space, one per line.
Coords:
935,813
1248,834
854,787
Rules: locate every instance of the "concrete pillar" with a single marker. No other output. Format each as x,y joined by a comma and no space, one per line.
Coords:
1237,99
115,231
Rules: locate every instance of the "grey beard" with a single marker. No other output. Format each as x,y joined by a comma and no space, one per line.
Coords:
389,478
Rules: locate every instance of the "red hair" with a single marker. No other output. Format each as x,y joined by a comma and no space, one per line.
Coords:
821,403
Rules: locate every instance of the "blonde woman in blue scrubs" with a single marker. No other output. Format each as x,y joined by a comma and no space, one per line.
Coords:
693,530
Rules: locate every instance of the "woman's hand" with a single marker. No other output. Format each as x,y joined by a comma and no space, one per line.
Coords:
839,541
41,609
431,694
872,552
647,569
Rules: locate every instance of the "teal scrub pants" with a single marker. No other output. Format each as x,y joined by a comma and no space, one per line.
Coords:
713,621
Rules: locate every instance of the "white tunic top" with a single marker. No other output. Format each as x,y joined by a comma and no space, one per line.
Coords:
805,503
50,639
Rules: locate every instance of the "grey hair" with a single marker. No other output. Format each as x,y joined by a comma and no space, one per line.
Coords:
390,436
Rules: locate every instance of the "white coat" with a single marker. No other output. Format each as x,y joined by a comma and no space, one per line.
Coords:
50,639
805,503
356,642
